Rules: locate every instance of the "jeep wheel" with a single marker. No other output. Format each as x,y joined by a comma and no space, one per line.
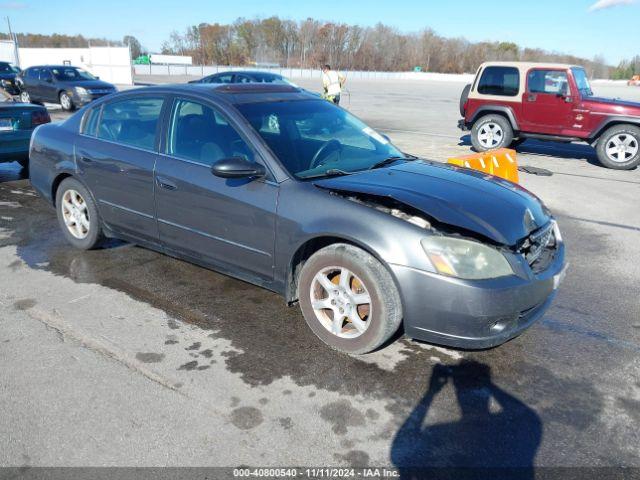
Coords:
619,147
349,299
491,132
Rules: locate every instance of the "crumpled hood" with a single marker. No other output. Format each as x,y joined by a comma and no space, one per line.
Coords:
7,76
489,206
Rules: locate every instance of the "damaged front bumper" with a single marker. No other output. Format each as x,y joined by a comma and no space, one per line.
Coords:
475,314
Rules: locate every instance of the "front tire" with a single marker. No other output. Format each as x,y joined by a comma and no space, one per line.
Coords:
490,132
78,215
25,97
66,102
619,147
349,299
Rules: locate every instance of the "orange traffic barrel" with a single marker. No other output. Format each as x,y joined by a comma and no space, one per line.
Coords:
501,163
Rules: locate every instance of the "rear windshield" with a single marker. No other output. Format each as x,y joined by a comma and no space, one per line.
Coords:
504,81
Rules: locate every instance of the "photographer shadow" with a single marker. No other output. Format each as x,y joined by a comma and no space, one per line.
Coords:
497,434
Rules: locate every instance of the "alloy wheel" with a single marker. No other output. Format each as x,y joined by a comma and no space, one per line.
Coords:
341,302
65,101
75,214
621,148
490,135
24,97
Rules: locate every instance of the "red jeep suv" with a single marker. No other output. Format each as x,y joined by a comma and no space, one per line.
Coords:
509,102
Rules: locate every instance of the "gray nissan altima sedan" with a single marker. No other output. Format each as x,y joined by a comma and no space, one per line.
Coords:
274,186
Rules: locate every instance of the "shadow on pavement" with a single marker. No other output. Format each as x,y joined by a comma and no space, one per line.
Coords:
496,433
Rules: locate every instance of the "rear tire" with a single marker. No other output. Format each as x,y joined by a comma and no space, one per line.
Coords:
365,301
619,147
490,132
78,215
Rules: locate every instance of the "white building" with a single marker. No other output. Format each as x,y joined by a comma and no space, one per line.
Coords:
111,64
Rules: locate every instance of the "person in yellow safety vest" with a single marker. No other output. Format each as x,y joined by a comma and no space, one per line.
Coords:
332,82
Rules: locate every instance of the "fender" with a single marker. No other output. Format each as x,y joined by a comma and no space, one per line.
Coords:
487,109
610,121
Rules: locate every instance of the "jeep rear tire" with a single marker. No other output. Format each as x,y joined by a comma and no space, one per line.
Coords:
619,147
490,132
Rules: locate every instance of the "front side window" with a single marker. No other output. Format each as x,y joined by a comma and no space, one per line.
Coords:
199,133
503,81
131,122
45,74
71,74
33,73
547,81
312,137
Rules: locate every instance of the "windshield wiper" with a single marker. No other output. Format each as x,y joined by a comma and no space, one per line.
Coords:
332,172
387,161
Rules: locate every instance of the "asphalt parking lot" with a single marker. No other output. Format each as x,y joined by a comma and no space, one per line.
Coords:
123,356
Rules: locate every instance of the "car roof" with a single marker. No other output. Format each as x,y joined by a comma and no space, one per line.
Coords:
529,65
234,93
248,72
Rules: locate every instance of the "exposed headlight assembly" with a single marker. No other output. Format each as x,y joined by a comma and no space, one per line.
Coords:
465,258
81,91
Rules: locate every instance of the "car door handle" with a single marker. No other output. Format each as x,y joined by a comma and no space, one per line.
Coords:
84,159
531,97
166,184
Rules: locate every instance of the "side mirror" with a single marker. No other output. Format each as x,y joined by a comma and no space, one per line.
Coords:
237,167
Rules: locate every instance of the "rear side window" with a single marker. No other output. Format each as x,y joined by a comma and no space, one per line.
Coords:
504,81
90,122
131,122
547,81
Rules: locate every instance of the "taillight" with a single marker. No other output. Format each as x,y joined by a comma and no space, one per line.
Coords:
39,117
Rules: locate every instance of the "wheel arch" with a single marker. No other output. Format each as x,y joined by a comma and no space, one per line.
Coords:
311,246
609,122
506,112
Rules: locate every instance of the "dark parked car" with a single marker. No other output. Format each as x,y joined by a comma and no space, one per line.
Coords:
272,185
17,122
8,75
248,76
71,87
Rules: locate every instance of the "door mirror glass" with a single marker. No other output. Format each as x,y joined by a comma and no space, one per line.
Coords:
237,167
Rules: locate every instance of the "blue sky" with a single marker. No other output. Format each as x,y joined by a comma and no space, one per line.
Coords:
580,27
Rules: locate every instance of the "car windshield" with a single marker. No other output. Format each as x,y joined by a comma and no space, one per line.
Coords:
8,68
314,138
582,81
71,74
